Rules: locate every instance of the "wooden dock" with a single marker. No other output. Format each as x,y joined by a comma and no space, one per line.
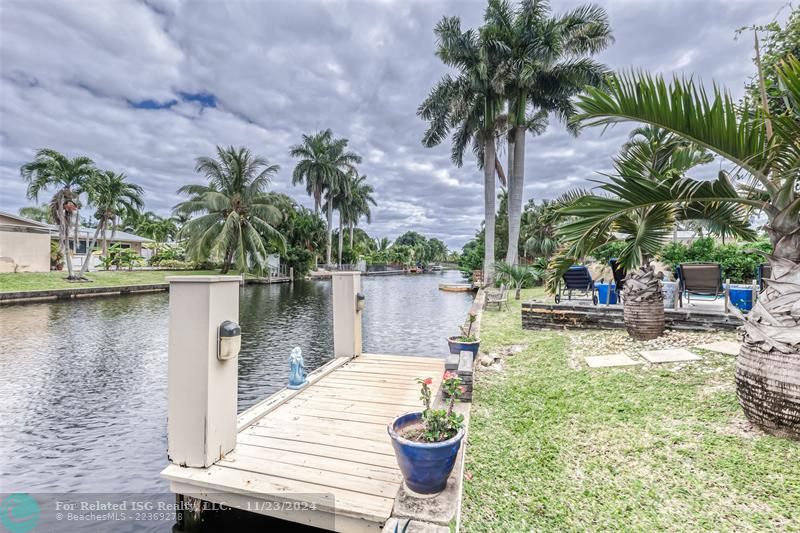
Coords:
321,455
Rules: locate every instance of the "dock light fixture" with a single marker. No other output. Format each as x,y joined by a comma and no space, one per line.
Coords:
230,340
360,301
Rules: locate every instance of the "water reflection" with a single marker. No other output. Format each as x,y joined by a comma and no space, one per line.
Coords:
83,383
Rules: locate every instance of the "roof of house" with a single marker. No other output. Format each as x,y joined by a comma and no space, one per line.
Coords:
119,236
24,220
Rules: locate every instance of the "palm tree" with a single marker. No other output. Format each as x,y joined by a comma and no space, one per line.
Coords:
470,104
324,161
768,175
656,159
544,61
538,229
235,214
111,194
51,169
358,205
518,275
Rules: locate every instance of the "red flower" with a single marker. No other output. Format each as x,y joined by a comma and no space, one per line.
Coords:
428,381
462,389
449,375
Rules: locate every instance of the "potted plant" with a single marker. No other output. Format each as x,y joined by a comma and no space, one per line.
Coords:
426,443
466,341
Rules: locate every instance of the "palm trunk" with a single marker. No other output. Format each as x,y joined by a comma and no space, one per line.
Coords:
226,266
351,236
64,236
341,238
768,366
643,312
329,235
515,193
489,155
89,247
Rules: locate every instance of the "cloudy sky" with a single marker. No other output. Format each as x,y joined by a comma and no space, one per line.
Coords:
144,87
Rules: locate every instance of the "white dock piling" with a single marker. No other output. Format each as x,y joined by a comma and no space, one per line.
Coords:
202,395
346,314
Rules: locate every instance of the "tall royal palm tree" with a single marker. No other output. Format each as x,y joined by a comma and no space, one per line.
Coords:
544,60
68,176
470,104
111,194
323,166
235,215
765,152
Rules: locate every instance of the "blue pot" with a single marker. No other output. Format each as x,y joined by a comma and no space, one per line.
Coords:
742,296
458,346
425,465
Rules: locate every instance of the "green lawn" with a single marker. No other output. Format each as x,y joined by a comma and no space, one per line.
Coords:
556,446
36,281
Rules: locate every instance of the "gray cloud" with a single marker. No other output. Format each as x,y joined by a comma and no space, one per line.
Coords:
71,70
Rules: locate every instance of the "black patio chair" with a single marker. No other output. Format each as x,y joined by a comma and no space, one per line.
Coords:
576,279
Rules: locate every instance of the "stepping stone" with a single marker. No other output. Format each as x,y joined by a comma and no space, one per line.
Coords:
727,347
603,361
671,355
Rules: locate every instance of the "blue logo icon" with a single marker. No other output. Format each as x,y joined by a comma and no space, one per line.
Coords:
19,513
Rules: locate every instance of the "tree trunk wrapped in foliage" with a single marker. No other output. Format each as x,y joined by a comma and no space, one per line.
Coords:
644,304
768,367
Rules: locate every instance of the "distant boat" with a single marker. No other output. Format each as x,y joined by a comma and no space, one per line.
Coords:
436,268
415,270
456,287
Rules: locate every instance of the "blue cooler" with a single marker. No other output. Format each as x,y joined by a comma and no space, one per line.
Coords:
603,292
742,296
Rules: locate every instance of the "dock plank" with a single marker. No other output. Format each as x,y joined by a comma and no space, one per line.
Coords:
326,443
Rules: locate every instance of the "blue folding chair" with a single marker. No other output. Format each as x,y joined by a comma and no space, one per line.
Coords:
576,279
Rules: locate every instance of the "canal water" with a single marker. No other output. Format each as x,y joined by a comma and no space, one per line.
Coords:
83,384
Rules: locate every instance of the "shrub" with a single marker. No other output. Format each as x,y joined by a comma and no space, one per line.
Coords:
175,264
167,254
612,249
737,263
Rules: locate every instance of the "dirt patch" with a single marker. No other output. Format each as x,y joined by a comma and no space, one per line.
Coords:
740,427
494,360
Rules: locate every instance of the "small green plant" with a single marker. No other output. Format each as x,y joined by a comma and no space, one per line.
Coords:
438,424
120,257
466,333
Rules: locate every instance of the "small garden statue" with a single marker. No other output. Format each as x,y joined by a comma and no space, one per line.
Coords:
297,370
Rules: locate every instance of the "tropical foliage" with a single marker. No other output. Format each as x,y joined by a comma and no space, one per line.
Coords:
234,218
540,62
67,177
469,104
323,164
763,148
518,275
737,262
